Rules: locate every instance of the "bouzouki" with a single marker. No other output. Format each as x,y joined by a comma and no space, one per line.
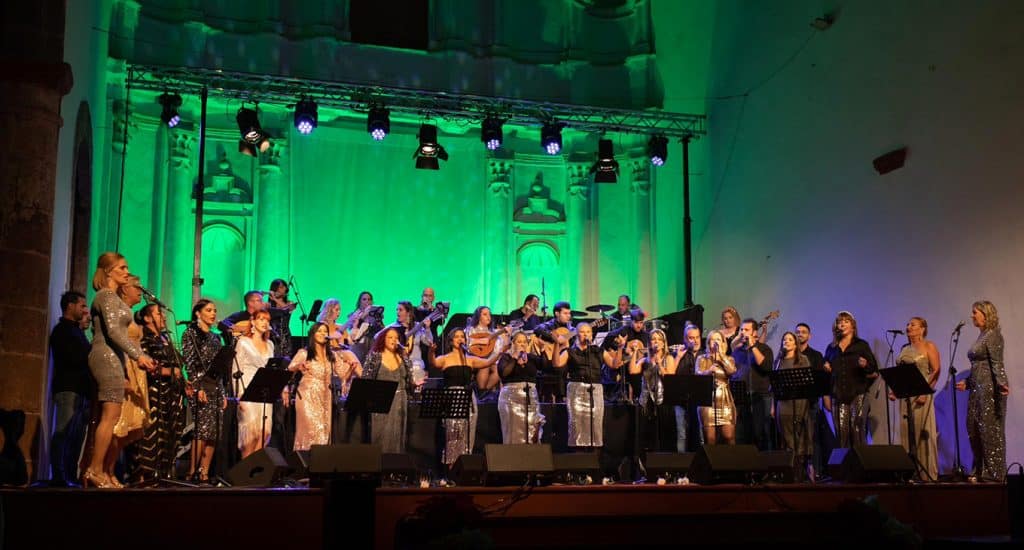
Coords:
482,344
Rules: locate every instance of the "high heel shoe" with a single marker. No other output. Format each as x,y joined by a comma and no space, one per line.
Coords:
114,482
91,478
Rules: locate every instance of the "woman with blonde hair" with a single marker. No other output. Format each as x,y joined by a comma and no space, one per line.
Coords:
986,404
721,415
923,354
110,348
730,327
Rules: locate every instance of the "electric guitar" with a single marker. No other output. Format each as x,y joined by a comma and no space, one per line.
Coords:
440,312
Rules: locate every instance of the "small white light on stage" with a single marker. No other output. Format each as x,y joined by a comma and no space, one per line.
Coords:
378,123
306,117
606,169
169,115
491,133
657,150
254,140
551,137
429,150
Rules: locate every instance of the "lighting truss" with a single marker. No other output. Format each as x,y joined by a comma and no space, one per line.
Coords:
415,104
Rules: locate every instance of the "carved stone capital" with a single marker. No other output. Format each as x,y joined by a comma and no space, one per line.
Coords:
641,180
119,122
182,145
579,181
499,177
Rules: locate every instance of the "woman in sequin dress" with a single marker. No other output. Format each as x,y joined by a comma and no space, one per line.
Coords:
721,416
313,399
200,345
385,361
110,347
986,404
457,369
924,355
657,424
253,352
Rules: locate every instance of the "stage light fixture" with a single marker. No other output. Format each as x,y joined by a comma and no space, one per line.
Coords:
306,117
429,150
254,140
491,133
378,123
551,137
170,103
657,150
606,169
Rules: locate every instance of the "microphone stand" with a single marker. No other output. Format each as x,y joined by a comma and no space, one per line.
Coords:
303,318
889,361
958,473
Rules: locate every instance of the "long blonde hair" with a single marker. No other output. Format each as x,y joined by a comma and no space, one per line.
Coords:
988,309
104,265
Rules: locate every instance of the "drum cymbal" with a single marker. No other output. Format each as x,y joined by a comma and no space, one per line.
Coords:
599,308
576,313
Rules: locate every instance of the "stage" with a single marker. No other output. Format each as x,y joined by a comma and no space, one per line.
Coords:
821,515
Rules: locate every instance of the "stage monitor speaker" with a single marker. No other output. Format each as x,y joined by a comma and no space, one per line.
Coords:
468,470
877,463
725,464
1015,495
260,469
668,465
835,463
778,465
298,464
398,468
345,461
574,468
518,464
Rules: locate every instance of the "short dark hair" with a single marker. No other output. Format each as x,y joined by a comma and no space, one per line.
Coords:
626,296
805,325
530,297
559,306
251,293
70,297
750,320
637,314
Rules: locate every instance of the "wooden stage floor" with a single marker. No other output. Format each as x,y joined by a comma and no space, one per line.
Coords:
507,517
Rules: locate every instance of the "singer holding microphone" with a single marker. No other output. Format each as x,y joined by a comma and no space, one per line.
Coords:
584,392
924,355
518,404
199,345
986,404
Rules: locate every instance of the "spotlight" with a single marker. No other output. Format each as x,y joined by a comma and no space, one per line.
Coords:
254,140
657,150
606,169
305,116
378,123
170,115
430,150
490,133
551,137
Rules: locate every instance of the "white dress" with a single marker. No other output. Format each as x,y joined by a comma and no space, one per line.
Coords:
250,414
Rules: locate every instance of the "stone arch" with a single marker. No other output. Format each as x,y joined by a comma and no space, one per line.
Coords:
224,266
538,261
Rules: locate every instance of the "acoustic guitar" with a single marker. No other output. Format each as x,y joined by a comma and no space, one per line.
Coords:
482,344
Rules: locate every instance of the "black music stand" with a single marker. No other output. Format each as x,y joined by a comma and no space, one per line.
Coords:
265,387
906,382
685,390
799,383
451,403
371,396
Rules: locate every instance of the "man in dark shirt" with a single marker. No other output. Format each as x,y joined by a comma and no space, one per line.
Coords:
624,305
585,395
686,417
635,337
552,385
72,385
824,439
753,364
854,367
528,313
237,323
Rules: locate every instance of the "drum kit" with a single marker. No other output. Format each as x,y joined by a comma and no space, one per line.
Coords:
601,309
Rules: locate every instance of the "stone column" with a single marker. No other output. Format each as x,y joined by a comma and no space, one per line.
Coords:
32,84
497,253
273,214
109,219
583,281
643,276
176,278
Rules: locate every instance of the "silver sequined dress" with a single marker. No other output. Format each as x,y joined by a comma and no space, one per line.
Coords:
986,408
110,344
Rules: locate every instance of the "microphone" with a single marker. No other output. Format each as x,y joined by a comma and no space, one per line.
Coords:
183,323
959,326
894,331
152,298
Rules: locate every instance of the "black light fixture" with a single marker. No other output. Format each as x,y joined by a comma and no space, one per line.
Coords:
306,116
169,115
491,133
429,150
254,140
378,123
551,137
606,169
657,150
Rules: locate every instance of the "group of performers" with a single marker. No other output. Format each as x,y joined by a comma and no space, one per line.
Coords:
145,389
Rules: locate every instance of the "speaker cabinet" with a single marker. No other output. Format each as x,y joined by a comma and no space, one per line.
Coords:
399,469
260,469
725,464
573,468
518,464
876,464
347,461
668,465
468,470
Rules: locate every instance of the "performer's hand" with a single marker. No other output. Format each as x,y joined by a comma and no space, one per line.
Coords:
189,391
284,397
224,403
1004,390
920,401
147,363
827,366
828,404
892,396
620,340
202,397
176,373
962,385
